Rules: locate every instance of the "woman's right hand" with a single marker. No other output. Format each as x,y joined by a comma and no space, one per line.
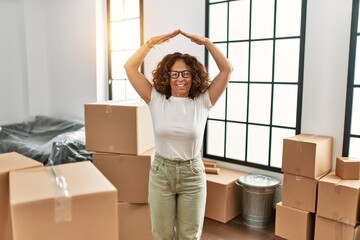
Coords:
162,38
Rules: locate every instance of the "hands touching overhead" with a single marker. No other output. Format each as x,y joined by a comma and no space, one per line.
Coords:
157,40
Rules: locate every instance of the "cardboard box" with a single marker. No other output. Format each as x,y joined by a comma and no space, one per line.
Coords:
134,221
128,173
299,192
307,155
83,206
10,162
294,224
223,201
327,229
338,199
123,127
348,168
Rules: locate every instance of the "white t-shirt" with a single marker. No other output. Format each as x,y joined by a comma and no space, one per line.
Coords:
179,124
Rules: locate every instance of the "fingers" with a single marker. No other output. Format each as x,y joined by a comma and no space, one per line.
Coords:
165,37
194,38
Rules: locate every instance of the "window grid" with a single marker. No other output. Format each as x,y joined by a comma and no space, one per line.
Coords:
351,142
250,83
119,86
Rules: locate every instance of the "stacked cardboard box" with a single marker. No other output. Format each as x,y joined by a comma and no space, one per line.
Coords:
223,201
121,136
10,162
306,159
338,206
68,201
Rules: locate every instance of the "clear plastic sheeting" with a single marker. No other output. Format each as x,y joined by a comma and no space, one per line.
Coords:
48,140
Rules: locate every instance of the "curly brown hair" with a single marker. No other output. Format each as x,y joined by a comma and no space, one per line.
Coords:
200,76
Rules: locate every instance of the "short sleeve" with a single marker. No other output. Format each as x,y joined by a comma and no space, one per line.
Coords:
204,98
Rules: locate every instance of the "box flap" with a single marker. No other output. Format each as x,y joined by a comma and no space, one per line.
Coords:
127,102
13,161
38,184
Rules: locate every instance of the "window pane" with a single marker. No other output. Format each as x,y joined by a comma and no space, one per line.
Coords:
259,105
277,137
118,60
218,22
215,137
235,141
258,145
116,10
237,102
262,22
125,35
130,91
239,58
261,61
357,62
132,9
287,60
218,111
354,148
118,89
355,116
239,20
285,101
288,18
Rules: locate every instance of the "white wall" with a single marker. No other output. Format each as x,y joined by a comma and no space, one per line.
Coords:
48,61
51,45
163,16
13,84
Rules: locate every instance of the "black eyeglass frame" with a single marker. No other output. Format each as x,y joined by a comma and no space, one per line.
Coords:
184,74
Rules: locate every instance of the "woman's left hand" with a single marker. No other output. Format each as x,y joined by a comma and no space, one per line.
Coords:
194,38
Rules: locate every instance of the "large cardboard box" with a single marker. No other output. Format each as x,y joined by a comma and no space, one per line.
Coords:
68,201
294,224
307,155
348,168
134,221
123,127
223,201
128,173
299,192
327,229
9,162
338,199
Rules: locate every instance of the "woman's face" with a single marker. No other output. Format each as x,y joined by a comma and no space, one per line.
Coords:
180,79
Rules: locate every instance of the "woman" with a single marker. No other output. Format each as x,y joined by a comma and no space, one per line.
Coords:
179,101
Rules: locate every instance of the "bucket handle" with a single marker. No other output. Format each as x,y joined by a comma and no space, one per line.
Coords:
239,184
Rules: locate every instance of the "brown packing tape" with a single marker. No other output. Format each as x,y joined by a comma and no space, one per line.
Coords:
211,170
209,161
212,165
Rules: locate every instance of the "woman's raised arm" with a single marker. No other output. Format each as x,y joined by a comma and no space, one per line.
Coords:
140,83
221,80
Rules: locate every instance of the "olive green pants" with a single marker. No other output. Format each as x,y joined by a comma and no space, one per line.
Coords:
177,198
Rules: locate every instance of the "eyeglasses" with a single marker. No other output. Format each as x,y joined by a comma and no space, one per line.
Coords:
184,74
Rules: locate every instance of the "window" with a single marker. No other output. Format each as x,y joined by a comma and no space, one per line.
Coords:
351,146
125,37
264,40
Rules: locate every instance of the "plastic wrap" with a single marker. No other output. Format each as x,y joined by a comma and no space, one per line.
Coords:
41,137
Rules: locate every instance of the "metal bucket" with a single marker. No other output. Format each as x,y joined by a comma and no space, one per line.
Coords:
257,199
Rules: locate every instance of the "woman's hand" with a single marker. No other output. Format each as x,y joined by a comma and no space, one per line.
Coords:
162,38
194,38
